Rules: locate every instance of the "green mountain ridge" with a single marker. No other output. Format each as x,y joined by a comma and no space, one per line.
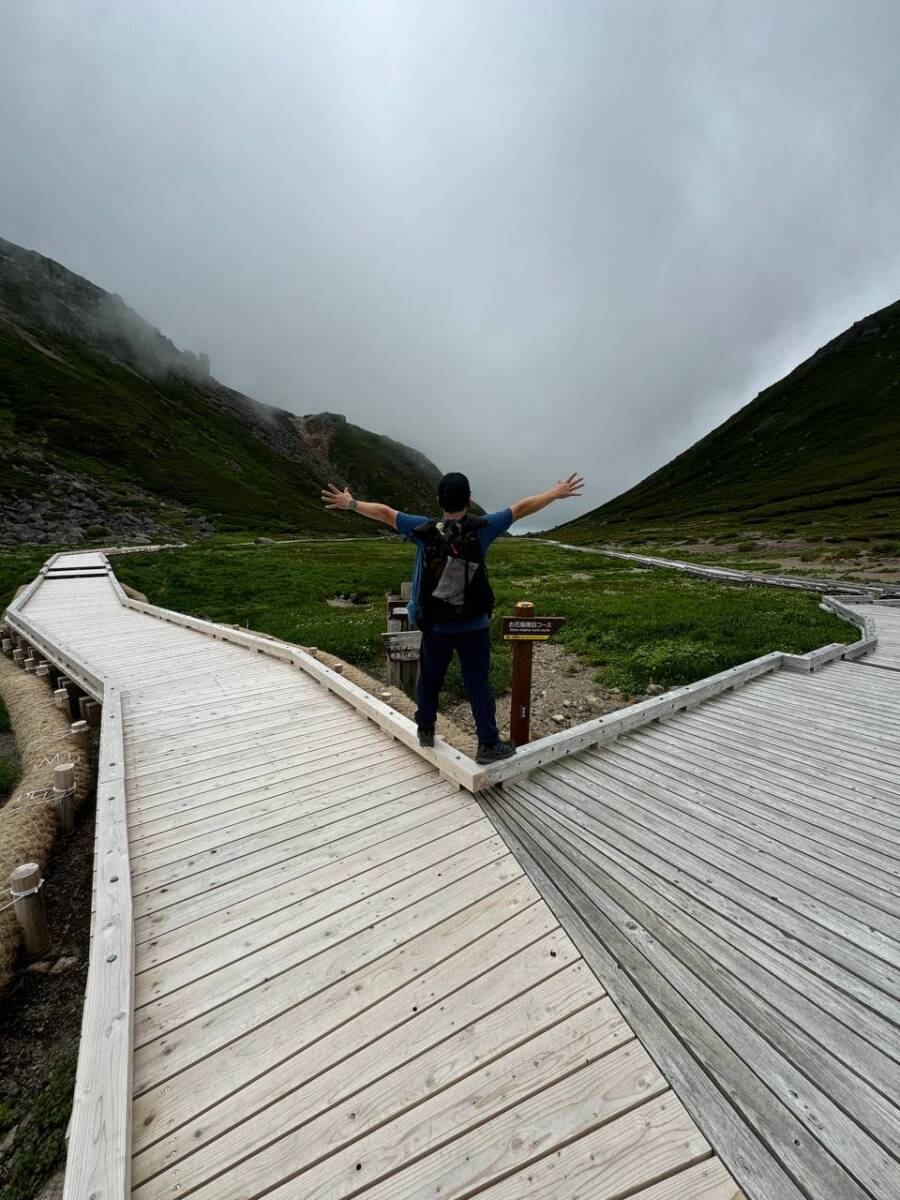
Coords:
109,432
817,451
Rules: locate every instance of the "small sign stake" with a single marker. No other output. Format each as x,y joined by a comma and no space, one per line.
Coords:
523,630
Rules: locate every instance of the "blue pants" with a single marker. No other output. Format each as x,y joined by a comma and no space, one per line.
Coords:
474,650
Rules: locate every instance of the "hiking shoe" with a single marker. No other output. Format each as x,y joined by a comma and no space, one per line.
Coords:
426,738
494,753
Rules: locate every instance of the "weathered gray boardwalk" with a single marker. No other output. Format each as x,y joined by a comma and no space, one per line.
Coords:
732,876
329,977
887,616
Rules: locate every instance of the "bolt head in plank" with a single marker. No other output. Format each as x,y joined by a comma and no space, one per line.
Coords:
24,884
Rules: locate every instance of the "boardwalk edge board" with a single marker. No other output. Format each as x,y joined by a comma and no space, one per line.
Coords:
99,1143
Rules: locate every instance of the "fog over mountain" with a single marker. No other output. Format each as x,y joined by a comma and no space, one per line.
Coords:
524,236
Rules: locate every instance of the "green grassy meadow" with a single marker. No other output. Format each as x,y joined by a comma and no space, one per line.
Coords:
633,626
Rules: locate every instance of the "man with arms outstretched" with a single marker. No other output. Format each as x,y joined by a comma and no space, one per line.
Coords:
452,599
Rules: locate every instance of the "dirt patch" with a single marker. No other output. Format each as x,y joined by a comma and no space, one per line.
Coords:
564,690
564,693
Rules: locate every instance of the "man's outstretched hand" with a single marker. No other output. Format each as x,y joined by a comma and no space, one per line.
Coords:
569,487
333,497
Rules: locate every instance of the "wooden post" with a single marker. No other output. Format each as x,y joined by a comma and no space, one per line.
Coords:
43,672
83,702
25,885
64,792
7,646
19,658
409,668
94,712
520,706
30,665
394,625
81,738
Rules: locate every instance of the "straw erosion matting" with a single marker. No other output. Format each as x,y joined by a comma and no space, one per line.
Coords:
28,819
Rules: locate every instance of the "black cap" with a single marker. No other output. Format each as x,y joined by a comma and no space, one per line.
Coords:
454,492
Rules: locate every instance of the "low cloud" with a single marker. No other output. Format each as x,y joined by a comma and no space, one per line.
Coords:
524,238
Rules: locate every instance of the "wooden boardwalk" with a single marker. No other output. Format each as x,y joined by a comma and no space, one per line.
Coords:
732,876
887,652
344,983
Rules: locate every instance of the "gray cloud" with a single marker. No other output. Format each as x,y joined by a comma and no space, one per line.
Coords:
525,236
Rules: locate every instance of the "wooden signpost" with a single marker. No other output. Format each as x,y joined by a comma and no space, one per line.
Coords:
401,643
523,630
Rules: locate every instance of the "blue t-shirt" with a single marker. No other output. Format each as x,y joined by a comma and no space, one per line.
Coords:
497,523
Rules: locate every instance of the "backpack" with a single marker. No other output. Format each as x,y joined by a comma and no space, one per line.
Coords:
453,585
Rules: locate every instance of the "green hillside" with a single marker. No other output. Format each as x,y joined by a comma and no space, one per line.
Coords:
108,431
817,453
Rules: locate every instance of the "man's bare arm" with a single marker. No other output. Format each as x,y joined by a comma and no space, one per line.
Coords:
560,491
333,497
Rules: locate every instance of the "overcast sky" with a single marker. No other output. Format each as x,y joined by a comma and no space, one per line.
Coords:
525,236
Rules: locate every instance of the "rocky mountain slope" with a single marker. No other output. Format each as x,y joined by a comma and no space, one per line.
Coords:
817,452
109,432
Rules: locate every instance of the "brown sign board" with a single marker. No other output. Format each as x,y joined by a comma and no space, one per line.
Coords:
403,647
530,629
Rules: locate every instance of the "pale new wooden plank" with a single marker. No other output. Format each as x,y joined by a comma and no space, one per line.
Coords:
707,1181
254,765
169,870
160,1014
289,745
373,996
494,1017
207,974
219,769
264,914
630,1152
289,861
450,762
152,746
584,1095
289,731
187,820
